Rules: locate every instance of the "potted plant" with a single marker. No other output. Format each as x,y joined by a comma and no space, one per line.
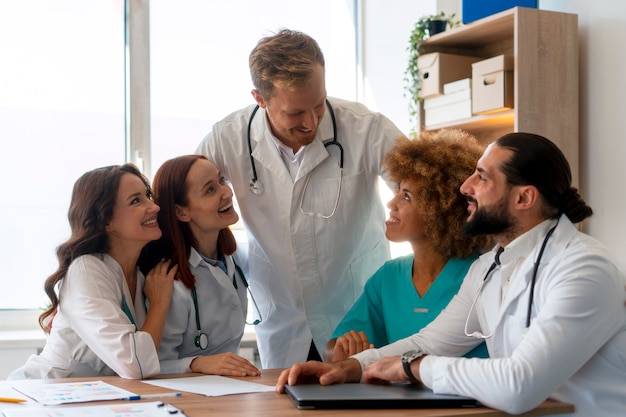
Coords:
424,27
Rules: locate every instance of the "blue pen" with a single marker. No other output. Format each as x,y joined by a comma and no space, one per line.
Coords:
150,396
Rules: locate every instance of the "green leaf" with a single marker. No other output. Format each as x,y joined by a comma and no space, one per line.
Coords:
412,83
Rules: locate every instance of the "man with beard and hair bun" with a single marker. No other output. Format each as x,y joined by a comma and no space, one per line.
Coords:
548,300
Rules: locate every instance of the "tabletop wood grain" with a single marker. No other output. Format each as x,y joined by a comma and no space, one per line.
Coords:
271,404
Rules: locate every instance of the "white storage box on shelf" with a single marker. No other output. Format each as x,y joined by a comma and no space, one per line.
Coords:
437,69
492,84
463,84
454,104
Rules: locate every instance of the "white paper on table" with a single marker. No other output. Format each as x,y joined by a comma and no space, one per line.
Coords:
70,392
210,385
148,409
7,391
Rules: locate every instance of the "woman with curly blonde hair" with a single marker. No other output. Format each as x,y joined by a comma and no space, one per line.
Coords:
428,211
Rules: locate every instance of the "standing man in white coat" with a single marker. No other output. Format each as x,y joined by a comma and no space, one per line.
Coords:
304,169
548,300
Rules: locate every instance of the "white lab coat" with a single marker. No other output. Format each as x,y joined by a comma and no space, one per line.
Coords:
91,335
222,310
573,351
306,272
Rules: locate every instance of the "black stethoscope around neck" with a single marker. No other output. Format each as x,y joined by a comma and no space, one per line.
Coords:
496,263
256,186
201,341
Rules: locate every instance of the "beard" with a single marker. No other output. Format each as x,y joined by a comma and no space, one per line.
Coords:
486,221
288,135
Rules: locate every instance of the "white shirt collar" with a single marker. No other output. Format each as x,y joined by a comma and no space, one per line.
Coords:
523,245
287,152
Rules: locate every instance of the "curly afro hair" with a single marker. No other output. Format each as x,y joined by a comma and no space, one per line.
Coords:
437,163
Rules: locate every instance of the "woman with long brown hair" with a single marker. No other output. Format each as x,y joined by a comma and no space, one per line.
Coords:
96,320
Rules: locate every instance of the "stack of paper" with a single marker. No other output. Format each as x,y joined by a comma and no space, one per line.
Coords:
454,104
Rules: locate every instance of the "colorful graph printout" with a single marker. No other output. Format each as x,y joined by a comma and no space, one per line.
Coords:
71,392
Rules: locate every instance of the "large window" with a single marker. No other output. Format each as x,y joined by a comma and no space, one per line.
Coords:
62,89
62,100
199,60
61,114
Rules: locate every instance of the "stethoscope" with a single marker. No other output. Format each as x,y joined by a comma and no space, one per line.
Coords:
478,334
256,186
201,341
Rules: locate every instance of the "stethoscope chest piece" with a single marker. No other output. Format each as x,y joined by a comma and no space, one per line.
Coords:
256,187
202,341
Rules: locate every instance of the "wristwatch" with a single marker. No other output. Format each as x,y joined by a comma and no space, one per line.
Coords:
407,358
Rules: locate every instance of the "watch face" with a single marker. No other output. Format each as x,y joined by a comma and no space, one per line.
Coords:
411,355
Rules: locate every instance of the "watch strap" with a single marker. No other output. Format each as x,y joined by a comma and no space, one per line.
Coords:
407,370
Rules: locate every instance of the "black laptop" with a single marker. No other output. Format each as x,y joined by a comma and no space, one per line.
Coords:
397,395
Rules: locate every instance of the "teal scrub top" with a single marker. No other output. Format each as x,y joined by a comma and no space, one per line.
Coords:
391,309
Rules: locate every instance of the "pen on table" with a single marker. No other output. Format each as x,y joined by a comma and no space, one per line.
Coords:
149,396
11,400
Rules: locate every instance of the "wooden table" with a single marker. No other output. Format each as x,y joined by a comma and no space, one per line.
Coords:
270,404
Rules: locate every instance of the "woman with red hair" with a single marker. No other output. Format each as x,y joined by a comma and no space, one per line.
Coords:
208,310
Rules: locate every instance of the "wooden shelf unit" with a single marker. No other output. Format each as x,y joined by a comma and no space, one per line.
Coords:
545,49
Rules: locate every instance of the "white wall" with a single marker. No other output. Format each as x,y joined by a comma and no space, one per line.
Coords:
16,346
387,26
602,31
386,29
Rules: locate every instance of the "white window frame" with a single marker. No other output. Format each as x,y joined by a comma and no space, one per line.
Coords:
137,109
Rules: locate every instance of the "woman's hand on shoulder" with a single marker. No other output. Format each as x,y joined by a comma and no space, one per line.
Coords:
160,283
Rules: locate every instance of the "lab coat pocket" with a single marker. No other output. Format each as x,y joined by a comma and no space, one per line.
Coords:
345,196
514,328
357,196
321,196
